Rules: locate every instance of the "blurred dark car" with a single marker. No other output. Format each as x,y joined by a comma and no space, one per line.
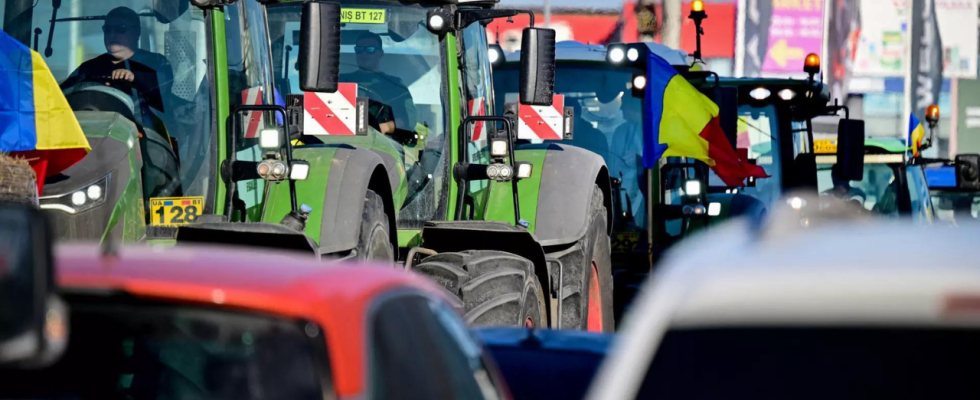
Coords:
546,364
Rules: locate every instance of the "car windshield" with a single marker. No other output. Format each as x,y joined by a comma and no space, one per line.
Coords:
878,192
150,351
608,121
815,363
397,65
144,60
758,133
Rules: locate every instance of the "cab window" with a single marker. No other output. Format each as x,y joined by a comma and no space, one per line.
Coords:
921,201
478,102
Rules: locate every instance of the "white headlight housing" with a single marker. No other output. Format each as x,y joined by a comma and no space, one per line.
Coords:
760,93
498,147
639,82
493,170
299,171
714,209
524,170
692,188
76,201
787,94
436,22
616,54
269,139
633,54
505,172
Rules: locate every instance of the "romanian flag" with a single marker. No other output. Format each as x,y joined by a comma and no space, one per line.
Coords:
683,122
36,122
916,134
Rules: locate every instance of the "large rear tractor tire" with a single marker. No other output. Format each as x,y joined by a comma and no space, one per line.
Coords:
587,282
495,287
375,240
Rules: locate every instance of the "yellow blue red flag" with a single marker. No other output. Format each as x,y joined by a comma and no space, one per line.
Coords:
36,121
916,134
683,122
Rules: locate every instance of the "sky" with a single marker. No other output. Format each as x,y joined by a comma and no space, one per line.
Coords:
574,3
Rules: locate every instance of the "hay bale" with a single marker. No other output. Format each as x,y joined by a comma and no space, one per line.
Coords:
17,181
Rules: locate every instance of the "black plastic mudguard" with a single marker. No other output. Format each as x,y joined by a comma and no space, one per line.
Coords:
257,234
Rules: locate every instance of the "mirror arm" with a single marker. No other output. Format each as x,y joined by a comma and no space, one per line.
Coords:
467,17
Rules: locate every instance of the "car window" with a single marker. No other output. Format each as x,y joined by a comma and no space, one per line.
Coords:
922,210
815,363
151,351
414,355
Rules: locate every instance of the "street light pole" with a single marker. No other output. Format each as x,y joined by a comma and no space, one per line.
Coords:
672,24
547,13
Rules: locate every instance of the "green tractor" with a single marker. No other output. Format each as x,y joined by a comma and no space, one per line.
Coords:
519,234
235,122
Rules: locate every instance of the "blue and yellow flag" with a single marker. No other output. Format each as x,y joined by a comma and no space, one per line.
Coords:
680,121
36,121
916,134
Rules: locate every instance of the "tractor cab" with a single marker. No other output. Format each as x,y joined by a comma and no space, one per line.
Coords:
890,186
135,74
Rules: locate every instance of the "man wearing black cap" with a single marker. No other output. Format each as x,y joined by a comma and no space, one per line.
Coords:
125,66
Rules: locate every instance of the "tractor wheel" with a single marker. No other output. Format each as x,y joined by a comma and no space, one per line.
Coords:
587,283
495,287
375,242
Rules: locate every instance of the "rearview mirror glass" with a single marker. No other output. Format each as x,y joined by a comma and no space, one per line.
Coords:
850,149
968,172
537,78
319,47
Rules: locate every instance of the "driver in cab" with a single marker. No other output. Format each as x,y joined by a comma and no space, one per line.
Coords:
125,66
395,108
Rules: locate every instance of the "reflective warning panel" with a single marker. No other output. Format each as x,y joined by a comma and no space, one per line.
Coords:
542,122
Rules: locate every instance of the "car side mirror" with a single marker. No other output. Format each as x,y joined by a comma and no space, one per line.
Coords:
850,149
537,66
30,332
968,172
319,47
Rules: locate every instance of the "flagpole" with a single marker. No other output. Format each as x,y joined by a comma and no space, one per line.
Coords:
907,66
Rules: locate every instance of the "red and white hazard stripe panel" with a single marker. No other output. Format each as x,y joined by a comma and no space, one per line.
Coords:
253,119
477,108
542,122
331,113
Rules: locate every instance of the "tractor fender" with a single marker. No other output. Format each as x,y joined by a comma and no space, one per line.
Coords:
568,176
354,171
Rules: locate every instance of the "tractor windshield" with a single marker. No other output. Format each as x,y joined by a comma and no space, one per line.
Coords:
150,351
397,64
145,61
608,121
889,188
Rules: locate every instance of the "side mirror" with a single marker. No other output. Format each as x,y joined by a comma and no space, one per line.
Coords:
968,172
319,47
28,334
537,66
850,149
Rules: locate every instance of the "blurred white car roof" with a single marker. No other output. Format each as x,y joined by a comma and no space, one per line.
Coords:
867,274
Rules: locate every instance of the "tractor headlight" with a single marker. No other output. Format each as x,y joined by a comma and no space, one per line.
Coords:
273,170
616,54
692,188
714,209
269,139
81,199
506,172
787,94
633,54
759,93
524,170
498,147
639,82
299,171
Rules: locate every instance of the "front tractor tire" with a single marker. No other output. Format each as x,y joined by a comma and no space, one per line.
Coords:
495,287
374,242
587,290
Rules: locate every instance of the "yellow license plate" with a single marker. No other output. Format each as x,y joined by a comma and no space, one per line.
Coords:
625,242
825,146
363,15
175,211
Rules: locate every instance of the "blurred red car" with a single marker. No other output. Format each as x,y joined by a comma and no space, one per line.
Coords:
212,323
